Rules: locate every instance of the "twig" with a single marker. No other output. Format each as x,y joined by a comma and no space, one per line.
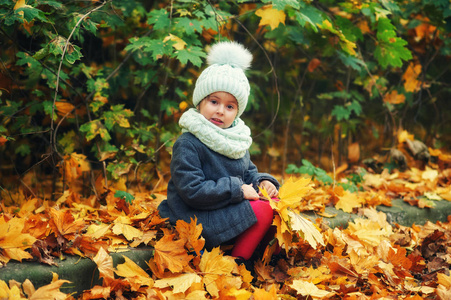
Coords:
53,146
273,70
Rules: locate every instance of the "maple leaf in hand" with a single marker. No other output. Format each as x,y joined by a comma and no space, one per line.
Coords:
291,194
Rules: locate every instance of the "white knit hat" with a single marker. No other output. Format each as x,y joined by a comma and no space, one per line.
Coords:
228,61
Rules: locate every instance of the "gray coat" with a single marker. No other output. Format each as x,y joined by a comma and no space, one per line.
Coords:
207,185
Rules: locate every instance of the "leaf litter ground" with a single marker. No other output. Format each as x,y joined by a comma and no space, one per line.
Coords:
368,259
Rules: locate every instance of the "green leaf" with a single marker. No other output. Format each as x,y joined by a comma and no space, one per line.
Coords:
23,150
124,195
190,26
191,54
281,4
31,13
341,113
392,53
68,142
159,18
351,61
355,107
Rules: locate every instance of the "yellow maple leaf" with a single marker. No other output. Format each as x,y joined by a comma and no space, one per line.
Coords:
128,231
50,291
104,264
134,274
349,201
13,242
270,16
180,283
214,265
369,232
7,293
411,83
306,288
291,194
307,229
394,98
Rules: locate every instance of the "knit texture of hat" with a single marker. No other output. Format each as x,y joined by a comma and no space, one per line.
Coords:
227,63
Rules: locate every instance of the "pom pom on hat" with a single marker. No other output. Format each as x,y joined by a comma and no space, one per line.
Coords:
230,53
228,61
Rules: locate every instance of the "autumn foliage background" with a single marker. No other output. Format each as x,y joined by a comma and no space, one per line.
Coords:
352,94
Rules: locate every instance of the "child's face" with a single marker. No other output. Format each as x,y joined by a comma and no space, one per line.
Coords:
220,108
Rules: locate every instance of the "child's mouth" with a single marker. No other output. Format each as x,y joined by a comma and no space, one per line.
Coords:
216,121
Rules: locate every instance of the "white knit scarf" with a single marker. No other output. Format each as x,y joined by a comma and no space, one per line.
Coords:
232,142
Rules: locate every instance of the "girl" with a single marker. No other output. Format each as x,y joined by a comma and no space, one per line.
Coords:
212,176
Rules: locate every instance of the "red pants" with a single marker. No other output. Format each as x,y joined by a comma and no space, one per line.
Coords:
246,242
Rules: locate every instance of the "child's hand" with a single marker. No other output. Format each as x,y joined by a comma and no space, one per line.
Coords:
249,192
269,187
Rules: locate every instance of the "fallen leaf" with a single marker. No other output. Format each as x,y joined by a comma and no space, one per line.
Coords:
307,229
308,289
180,283
191,234
13,242
104,263
133,274
171,254
50,291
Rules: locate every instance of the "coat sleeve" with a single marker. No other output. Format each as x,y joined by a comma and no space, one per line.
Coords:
194,188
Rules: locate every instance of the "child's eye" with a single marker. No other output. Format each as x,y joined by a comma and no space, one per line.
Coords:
231,107
213,101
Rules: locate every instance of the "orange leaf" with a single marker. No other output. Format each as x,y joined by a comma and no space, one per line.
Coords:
261,294
411,83
191,234
64,224
64,108
74,166
171,254
313,64
3,140
394,98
